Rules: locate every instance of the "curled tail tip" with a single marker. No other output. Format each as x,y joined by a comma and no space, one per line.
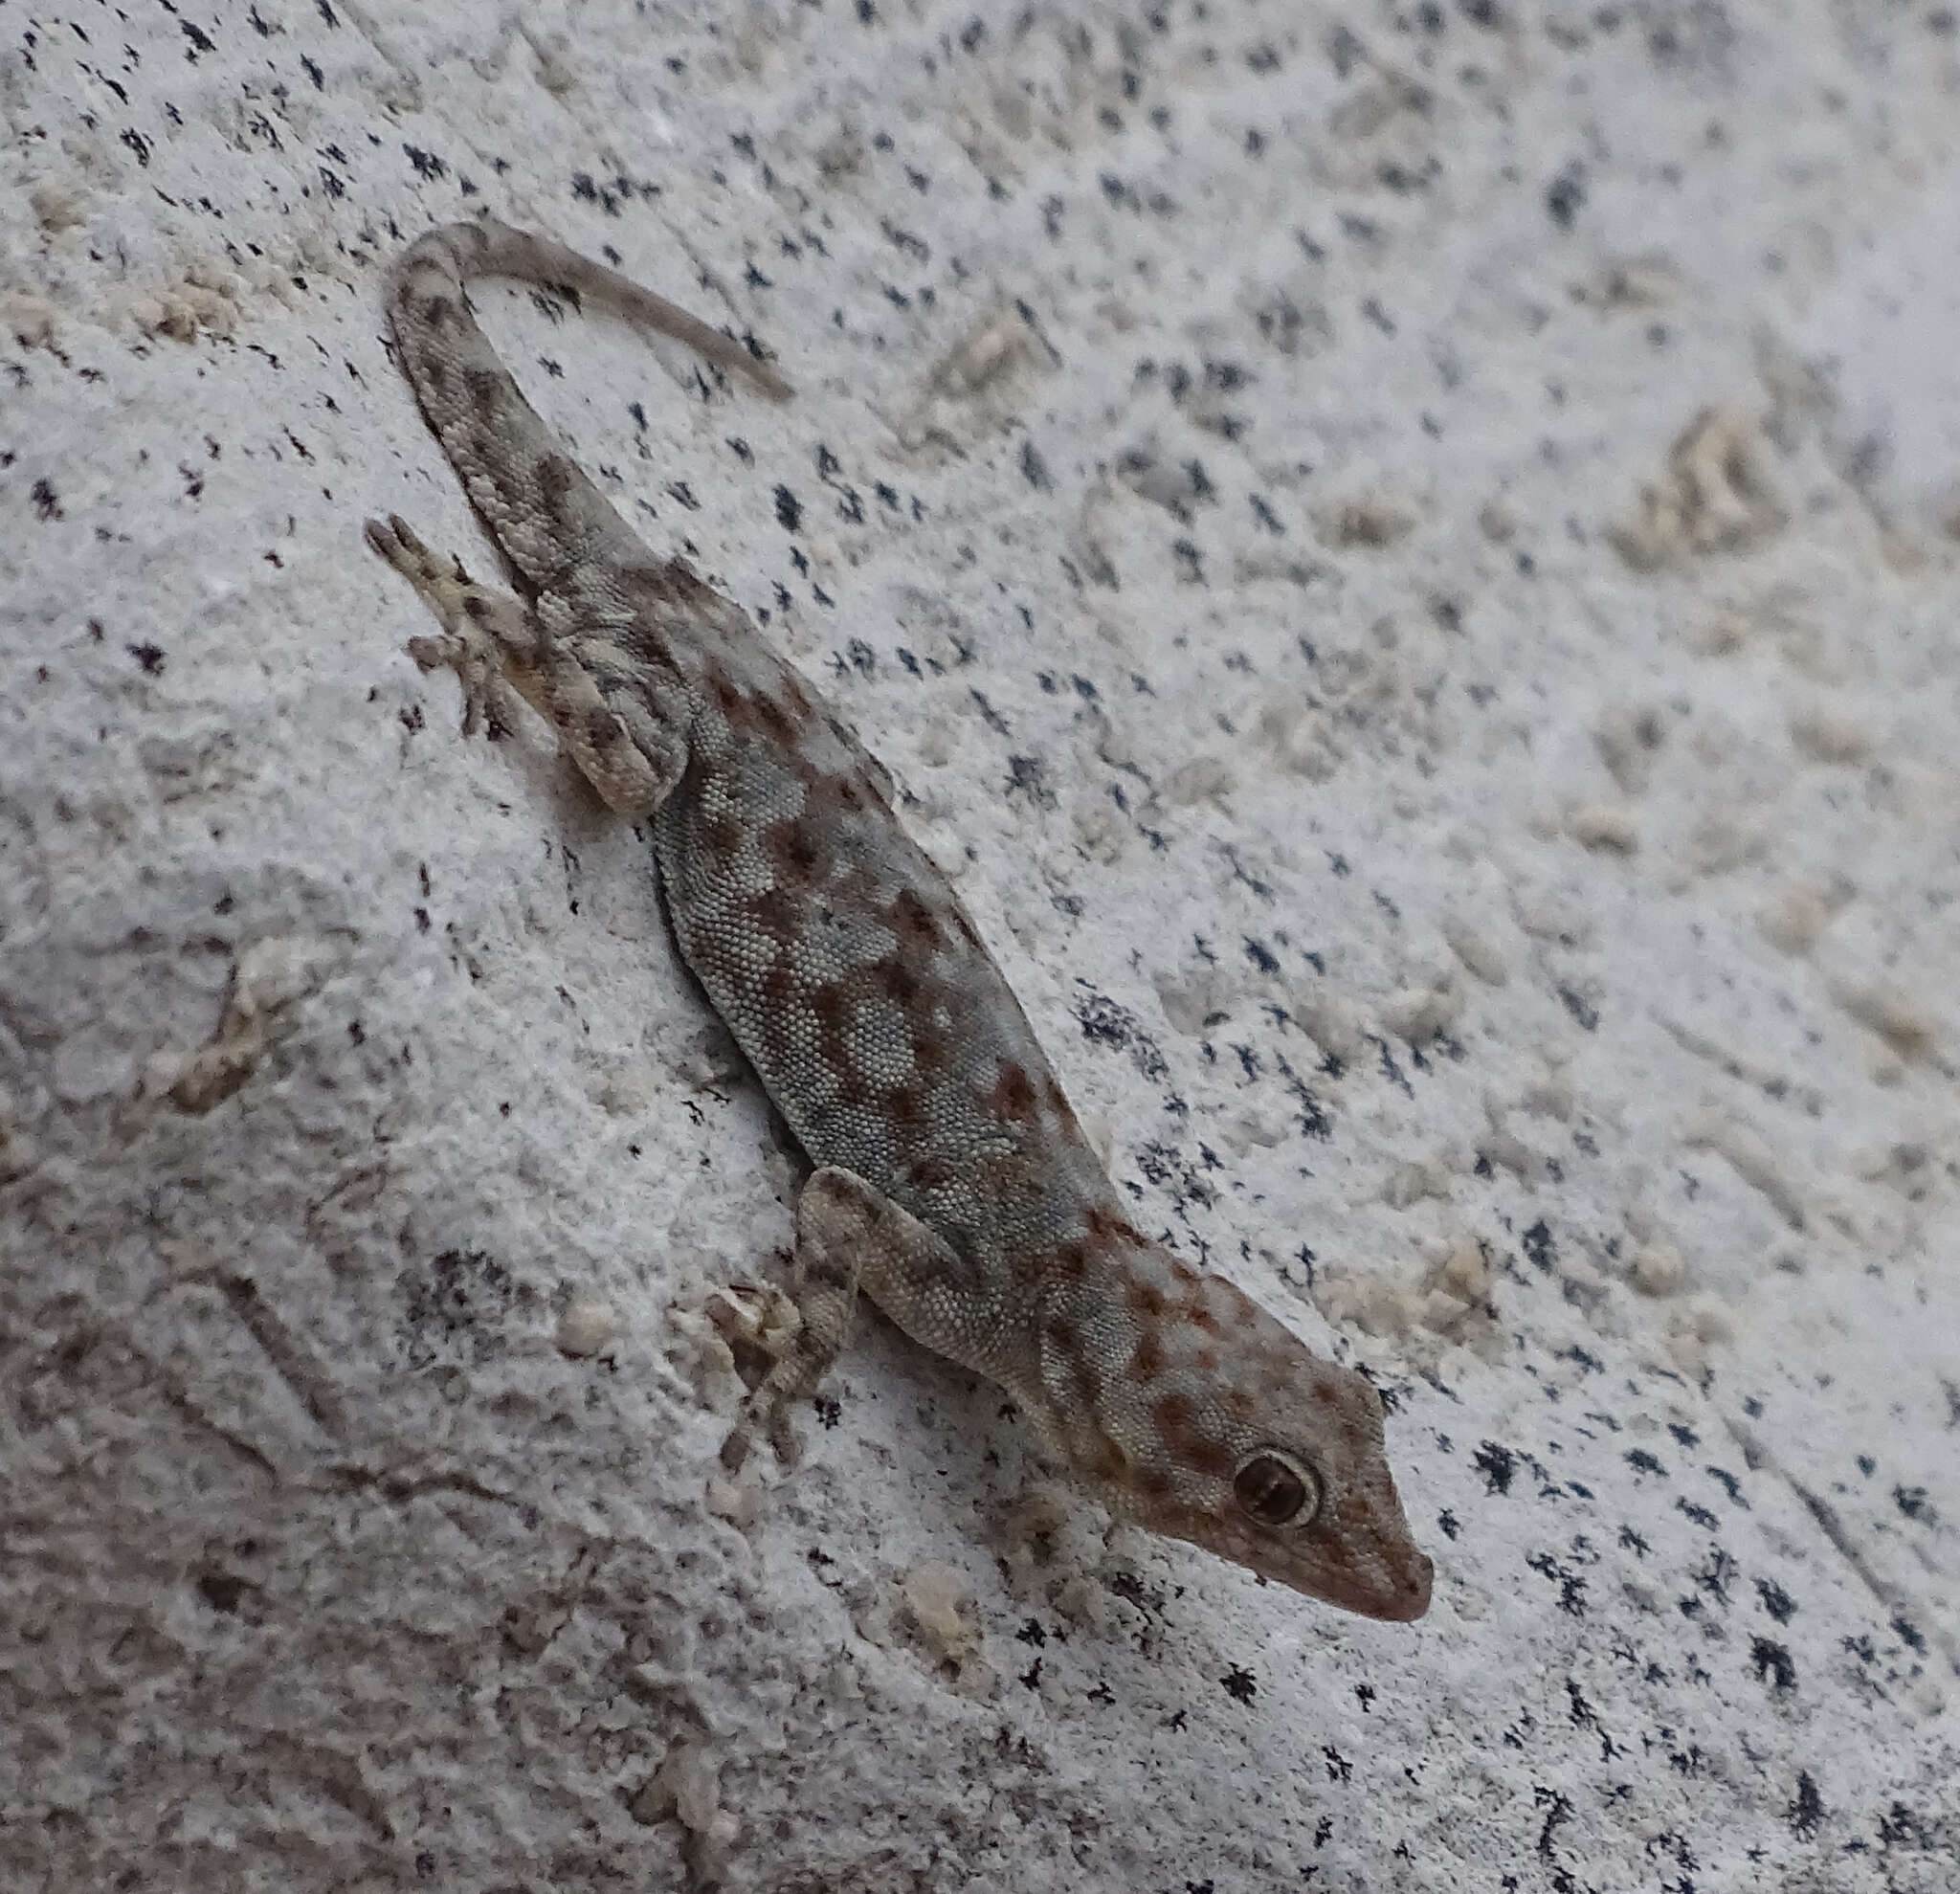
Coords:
776,386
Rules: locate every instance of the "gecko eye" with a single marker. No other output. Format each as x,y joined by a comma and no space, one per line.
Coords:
1276,1489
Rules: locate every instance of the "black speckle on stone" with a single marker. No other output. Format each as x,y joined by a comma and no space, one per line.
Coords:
150,657
1775,1600
221,1591
453,1308
1773,1663
1571,1587
1565,196
1642,1461
1498,1464
1028,776
1806,1810
788,509
1538,1246
1106,1023
1584,1013
1730,1484
1240,1683
1909,1634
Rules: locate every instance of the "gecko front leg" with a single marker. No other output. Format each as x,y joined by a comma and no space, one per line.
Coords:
624,744
848,1235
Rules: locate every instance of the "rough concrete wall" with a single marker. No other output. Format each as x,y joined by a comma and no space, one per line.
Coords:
1405,556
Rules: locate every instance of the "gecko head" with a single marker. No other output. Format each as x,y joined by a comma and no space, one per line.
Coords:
1214,1423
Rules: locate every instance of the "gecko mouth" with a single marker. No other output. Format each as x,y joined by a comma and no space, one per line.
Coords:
1394,1586
1407,1601
1369,1575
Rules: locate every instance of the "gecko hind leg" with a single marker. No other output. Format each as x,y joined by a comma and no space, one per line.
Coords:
500,649
486,638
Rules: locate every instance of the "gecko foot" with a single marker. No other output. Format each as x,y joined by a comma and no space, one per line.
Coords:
802,1333
486,635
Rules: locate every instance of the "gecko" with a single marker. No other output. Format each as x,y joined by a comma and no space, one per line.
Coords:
951,1182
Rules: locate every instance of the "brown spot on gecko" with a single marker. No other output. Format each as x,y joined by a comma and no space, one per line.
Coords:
781,988
1106,1461
1145,1298
1107,1230
1193,1311
485,388
433,371
1012,1097
1069,1261
930,1054
896,979
773,915
1067,1340
1147,1358
795,847
913,922
602,728
1177,1421
773,721
831,1005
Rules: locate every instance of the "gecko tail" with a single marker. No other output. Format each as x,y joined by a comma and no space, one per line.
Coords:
488,248
545,513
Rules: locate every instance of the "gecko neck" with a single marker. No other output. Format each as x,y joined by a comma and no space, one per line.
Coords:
1099,1344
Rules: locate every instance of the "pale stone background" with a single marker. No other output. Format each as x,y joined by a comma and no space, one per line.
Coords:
1406,556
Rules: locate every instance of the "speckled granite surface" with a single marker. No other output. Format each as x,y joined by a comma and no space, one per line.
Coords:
1407,558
